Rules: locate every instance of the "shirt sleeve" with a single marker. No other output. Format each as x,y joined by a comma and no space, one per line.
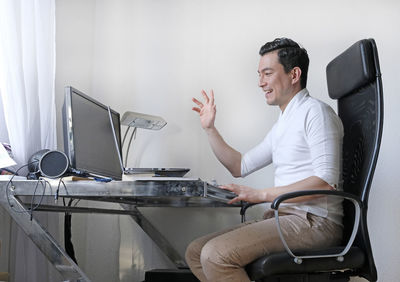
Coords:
324,134
258,157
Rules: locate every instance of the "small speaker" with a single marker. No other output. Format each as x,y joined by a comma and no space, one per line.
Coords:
49,163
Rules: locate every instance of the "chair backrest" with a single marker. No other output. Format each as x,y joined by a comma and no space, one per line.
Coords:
354,79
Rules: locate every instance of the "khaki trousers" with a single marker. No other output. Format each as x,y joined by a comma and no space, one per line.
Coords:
222,256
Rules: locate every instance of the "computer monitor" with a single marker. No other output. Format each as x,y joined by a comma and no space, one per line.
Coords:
88,139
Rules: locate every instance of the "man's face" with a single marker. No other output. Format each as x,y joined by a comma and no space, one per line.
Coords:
276,84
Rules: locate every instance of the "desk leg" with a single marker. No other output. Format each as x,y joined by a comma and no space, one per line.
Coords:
43,240
156,236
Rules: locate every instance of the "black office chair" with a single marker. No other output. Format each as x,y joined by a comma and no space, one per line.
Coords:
354,79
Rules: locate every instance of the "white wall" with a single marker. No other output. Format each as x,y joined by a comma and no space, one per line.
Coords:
152,56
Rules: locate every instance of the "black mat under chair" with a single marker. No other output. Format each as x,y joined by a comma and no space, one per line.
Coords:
170,275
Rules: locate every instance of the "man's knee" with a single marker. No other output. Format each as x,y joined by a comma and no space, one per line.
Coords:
217,254
193,251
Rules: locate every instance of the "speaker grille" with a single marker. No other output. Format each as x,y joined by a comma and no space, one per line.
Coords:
54,164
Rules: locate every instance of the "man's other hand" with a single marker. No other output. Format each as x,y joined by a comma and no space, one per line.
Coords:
245,193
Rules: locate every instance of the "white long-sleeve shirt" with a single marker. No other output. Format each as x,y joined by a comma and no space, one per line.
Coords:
305,141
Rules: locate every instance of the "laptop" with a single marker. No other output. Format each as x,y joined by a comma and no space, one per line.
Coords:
164,172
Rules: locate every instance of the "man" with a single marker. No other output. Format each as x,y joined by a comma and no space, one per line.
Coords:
305,147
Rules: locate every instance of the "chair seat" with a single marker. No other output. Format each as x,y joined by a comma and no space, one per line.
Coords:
283,263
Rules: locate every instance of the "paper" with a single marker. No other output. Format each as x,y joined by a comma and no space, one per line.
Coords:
14,177
5,159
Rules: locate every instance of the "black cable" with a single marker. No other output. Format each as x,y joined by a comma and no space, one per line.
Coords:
58,190
41,197
68,216
7,189
65,187
69,247
33,198
32,208
12,185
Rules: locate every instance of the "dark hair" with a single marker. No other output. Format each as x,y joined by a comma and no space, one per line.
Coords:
290,55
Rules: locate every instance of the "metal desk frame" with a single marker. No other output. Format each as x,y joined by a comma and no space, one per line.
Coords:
146,192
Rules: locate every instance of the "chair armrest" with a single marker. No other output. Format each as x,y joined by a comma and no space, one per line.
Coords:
357,206
278,200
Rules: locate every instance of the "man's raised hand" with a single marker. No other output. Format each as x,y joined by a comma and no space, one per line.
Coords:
207,110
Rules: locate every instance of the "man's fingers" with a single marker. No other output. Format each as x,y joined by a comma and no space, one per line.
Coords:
234,200
197,102
226,187
196,109
207,100
231,187
205,96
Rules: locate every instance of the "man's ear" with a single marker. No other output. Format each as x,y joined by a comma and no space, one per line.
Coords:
296,74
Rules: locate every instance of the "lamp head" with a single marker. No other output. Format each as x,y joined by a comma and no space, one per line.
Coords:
139,120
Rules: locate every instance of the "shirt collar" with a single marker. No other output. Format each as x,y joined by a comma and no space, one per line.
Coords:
297,98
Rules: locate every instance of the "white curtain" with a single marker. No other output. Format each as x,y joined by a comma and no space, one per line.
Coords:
27,30
27,76
3,128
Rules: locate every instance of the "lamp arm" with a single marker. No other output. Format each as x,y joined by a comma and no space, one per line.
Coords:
129,145
126,133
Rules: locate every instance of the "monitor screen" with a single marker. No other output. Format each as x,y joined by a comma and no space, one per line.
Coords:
88,138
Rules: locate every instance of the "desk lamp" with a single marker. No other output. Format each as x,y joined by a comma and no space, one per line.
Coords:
138,120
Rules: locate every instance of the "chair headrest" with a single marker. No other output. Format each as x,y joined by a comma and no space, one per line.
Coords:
351,70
